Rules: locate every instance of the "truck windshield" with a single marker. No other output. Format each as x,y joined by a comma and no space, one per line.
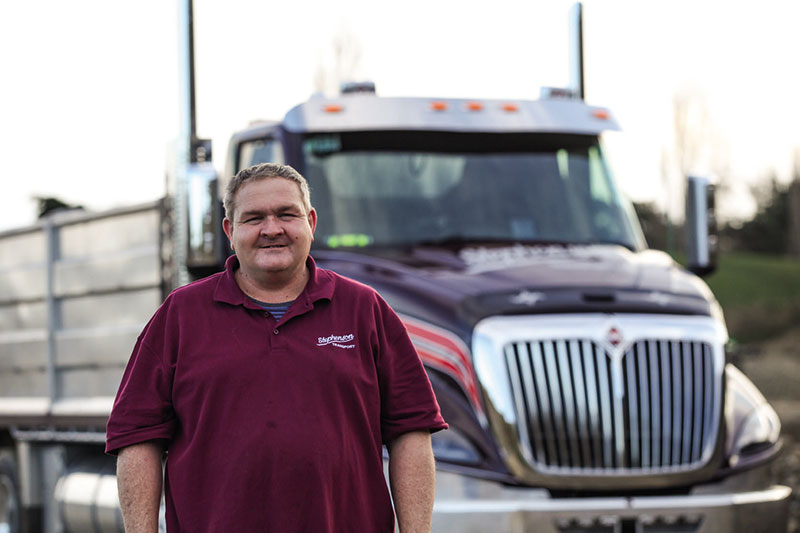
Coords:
438,188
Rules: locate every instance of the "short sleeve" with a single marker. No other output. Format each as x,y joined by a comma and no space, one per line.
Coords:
142,409
408,402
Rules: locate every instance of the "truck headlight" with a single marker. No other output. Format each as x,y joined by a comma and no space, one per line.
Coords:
753,425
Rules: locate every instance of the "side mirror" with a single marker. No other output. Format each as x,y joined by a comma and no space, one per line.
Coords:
203,242
702,240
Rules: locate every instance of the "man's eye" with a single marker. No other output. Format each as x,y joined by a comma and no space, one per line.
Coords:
252,220
287,216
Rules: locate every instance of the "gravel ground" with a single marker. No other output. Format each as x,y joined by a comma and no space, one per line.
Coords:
789,474
774,366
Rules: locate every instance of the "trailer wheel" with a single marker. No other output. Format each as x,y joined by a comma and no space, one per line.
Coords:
9,494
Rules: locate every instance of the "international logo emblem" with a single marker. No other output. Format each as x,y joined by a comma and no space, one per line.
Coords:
614,336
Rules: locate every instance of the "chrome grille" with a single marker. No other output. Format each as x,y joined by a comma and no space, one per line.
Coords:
587,408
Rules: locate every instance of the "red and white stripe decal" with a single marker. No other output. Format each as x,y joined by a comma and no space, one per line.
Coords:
444,351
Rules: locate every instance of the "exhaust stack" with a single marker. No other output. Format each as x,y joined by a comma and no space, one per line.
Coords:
195,198
576,84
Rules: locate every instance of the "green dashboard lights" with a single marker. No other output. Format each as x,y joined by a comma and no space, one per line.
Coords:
349,240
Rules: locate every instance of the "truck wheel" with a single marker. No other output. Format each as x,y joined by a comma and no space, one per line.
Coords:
9,495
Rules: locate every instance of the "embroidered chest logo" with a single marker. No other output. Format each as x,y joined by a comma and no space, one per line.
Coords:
340,341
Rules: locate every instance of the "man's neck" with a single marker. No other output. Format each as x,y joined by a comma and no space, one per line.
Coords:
272,288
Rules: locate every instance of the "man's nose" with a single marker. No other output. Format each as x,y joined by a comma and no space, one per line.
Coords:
271,226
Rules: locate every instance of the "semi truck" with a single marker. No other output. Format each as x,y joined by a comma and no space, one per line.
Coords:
584,376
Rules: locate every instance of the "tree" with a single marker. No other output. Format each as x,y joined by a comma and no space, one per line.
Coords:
343,64
653,224
698,148
766,231
691,126
49,204
775,228
793,201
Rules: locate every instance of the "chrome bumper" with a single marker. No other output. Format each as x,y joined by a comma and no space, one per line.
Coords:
468,505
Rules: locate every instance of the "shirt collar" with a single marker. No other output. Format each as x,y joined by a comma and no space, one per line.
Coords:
319,286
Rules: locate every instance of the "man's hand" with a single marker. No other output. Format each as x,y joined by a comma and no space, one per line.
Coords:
412,476
139,481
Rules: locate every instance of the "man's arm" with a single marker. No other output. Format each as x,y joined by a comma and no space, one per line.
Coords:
412,476
139,481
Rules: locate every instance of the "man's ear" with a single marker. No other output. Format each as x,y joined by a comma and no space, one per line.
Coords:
312,221
227,227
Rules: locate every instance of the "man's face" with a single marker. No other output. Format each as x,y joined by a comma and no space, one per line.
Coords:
271,232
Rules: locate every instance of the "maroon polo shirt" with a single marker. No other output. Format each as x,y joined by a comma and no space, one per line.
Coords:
274,426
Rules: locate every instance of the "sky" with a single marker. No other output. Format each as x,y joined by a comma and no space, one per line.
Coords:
89,92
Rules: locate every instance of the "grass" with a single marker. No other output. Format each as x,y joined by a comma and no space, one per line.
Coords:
759,293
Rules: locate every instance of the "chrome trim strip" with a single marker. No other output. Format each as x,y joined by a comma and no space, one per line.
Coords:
31,406
583,433
644,398
52,435
541,386
527,376
688,390
512,360
697,428
633,413
618,401
694,501
677,402
88,406
554,389
594,402
606,415
655,388
710,392
666,405
570,431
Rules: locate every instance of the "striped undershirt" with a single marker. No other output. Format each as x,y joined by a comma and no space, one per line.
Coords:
276,310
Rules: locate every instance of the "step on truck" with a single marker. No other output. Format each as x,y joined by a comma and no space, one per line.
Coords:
584,376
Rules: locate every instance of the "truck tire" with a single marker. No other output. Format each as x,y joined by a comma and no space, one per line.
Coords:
10,510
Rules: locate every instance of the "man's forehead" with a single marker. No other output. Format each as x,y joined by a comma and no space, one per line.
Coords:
269,179
251,185
249,199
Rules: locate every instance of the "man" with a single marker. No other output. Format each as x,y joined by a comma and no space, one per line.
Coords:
272,386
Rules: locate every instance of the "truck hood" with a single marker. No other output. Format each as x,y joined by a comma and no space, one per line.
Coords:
476,281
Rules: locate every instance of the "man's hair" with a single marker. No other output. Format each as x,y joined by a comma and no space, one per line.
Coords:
261,171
